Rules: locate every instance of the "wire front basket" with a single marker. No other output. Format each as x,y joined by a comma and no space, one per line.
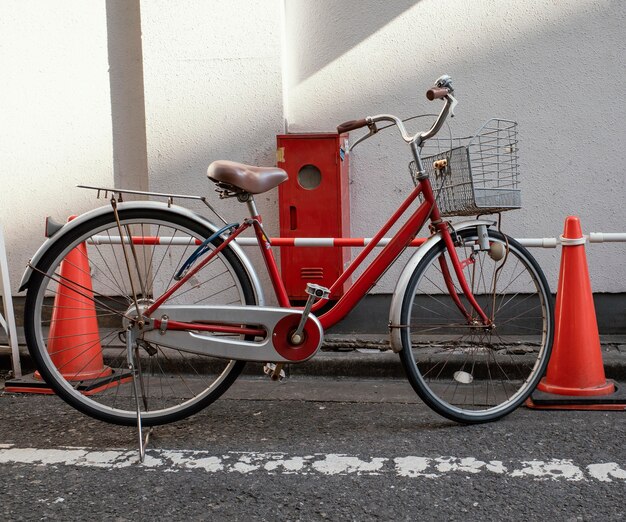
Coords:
475,175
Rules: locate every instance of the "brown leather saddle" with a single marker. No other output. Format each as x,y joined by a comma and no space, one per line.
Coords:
238,177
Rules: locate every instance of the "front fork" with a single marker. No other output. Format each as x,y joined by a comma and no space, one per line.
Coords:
458,270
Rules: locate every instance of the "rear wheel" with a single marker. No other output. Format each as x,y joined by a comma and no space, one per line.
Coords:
80,293
462,370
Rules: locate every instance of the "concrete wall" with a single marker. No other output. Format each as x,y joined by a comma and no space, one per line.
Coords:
213,90
218,80
55,107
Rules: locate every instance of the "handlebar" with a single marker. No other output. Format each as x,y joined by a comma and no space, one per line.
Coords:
436,93
351,125
442,90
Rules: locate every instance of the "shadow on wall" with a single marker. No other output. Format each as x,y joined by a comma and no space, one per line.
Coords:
345,26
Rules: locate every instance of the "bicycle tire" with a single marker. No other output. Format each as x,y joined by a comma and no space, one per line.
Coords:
461,370
174,384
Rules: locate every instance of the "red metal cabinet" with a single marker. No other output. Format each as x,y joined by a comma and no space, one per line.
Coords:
313,202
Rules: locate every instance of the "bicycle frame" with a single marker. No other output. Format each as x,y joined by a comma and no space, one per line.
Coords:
374,271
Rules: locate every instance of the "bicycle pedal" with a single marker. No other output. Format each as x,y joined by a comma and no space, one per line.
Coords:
270,370
317,291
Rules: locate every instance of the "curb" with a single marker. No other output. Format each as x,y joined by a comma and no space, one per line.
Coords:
364,357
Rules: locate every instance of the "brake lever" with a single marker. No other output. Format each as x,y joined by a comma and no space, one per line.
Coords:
373,130
453,102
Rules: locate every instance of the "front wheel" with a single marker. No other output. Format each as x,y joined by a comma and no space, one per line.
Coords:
85,287
461,369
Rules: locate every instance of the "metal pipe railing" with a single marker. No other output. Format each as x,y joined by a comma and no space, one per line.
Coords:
337,242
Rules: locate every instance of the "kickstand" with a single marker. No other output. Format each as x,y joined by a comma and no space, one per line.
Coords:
143,443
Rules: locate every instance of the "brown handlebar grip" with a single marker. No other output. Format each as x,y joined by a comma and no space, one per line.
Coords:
436,92
351,125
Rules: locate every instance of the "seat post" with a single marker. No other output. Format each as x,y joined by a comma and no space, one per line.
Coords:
252,206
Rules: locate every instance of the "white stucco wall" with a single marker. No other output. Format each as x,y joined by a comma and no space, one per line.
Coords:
220,83
55,108
213,90
555,67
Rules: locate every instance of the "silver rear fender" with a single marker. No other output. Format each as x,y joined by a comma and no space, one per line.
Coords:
156,205
397,298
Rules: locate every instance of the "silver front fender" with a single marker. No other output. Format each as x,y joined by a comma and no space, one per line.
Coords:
153,205
398,294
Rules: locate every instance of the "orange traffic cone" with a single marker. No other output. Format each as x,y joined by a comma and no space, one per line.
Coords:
74,339
575,377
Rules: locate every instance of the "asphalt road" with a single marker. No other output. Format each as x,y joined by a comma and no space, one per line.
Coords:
312,449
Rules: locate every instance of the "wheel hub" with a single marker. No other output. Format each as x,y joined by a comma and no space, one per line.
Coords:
136,315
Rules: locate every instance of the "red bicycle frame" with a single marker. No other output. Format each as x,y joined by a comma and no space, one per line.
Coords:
399,242
372,273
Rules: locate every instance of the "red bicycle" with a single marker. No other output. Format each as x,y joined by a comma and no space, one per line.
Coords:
175,308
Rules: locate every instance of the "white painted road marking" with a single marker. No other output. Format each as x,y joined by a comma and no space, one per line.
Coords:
315,464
